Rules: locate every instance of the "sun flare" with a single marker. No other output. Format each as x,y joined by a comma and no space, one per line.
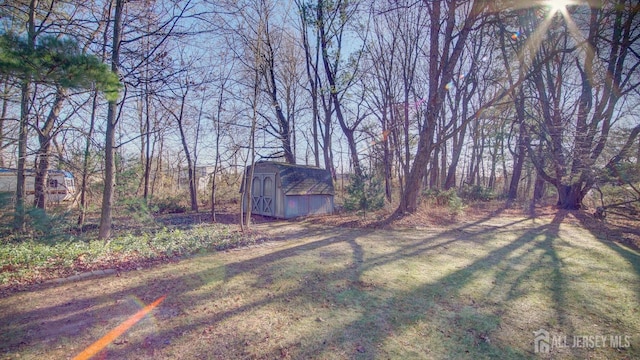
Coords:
558,5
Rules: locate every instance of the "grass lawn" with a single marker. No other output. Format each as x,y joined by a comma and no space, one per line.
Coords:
477,290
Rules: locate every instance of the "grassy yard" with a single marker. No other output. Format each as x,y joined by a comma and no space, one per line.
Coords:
477,290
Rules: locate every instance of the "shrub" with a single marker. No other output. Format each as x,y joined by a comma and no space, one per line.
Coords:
476,193
364,194
137,208
169,205
447,198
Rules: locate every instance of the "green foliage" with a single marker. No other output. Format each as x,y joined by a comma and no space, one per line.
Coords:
136,209
6,214
56,61
623,172
127,177
47,226
364,194
27,259
449,198
44,226
476,193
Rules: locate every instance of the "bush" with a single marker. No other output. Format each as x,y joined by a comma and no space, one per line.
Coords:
169,205
364,194
127,177
447,198
44,226
137,209
476,193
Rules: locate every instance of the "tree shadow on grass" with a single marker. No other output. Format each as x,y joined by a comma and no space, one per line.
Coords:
473,328
76,312
452,321
380,319
616,238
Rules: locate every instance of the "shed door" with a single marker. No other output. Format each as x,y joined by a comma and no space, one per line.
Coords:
256,195
262,194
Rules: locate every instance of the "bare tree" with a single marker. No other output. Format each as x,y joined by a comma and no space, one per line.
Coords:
219,127
322,107
177,107
454,20
574,130
332,21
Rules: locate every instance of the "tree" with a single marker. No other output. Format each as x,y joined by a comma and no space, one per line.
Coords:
580,89
279,79
453,21
3,115
321,104
104,231
219,128
86,155
60,64
381,68
177,108
332,20
364,194
161,31
255,55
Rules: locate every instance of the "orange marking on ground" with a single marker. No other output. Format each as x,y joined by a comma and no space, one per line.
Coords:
97,346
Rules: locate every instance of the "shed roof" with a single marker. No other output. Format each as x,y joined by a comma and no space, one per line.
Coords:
300,179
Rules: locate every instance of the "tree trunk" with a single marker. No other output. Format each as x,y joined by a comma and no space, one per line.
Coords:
411,194
539,188
84,202
570,196
434,170
353,152
3,115
104,232
327,144
443,165
518,161
216,164
387,156
517,173
248,183
458,143
193,194
19,224
147,147
193,188
45,138
471,177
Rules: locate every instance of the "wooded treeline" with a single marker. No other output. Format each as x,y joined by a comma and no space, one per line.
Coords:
505,96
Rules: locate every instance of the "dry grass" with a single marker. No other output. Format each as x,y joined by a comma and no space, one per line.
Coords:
477,289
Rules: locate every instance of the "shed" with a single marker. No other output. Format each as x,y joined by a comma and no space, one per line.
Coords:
286,191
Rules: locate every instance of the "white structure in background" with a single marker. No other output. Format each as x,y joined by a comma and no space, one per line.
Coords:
60,187
203,178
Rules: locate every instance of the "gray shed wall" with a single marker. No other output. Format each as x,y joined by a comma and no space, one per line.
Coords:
302,205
